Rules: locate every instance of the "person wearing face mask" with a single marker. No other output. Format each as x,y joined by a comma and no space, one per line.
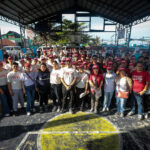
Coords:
109,86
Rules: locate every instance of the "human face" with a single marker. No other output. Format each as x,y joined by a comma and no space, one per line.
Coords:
27,69
139,67
95,71
43,68
15,68
55,65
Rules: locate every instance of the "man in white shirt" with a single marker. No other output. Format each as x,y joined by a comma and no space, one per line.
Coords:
68,79
14,79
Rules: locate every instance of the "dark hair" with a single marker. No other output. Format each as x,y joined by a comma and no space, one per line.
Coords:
15,63
139,62
43,64
55,62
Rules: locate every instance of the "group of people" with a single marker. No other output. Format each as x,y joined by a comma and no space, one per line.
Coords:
76,79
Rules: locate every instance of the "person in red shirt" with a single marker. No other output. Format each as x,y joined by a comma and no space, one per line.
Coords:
96,82
140,85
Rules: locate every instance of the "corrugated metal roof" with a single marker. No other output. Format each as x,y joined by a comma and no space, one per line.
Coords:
31,11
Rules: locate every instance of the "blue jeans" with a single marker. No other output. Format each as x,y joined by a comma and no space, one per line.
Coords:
121,104
139,99
107,99
30,93
4,101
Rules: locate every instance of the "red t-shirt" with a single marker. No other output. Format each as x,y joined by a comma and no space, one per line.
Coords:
139,80
96,79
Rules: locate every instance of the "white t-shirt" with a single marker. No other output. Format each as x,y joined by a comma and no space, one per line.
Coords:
68,74
109,84
3,77
55,76
121,85
82,79
15,79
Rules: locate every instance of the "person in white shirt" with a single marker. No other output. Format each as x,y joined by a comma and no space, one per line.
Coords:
56,87
109,86
123,85
14,79
81,87
10,63
5,98
68,79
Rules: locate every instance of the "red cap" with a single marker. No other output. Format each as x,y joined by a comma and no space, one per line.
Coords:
110,63
81,66
64,59
62,63
122,69
84,63
75,55
79,60
68,59
35,59
118,59
44,51
27,65
109,68
74,63
28,58
131,64
21,60
82,55
51,56
95,67
123,61
1,63
10,58
43,58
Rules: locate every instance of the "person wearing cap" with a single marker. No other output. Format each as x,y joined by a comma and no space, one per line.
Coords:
81,87
123,88
68,79
10,63
14,79
44,55
28,85
96,82
56,87
35,65
141,79
4,93
42,86
109,86
50,60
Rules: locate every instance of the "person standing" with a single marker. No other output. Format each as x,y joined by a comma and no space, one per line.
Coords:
68,79
56,87
96,82
123,88
42,85
141,80
4,94
28,85
14,79
109,86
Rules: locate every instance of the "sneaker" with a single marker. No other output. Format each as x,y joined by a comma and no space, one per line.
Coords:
7,115
28,113
46,108
54,109
107,109
96,111
58,109
91,110
140,117
122,115
41,109
131,113
104,109
71,111
146,116
33,110
117,113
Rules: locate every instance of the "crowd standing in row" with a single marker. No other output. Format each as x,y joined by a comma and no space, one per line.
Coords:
76,79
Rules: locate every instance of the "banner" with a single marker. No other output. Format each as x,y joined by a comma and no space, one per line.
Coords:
1,55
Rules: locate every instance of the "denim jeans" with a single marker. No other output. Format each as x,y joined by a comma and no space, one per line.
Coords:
3,98
107,99
30,93
121,104
139,99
